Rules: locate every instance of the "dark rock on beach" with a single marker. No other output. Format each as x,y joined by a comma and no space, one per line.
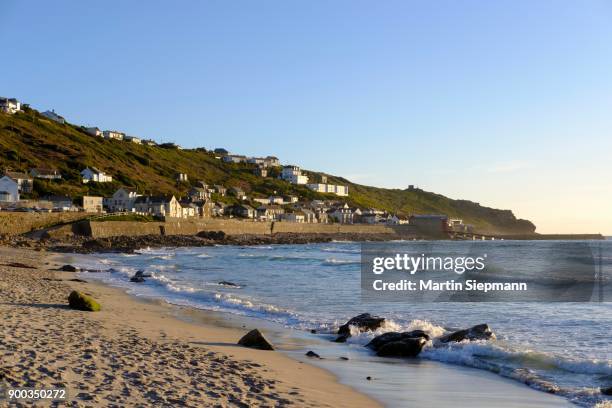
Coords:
312,354
254,339
139,277
379,341
68,268
479,332
408,347
363,322
606,391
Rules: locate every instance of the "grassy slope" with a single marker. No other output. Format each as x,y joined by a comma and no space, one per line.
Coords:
29,140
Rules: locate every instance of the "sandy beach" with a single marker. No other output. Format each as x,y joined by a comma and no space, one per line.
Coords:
136,353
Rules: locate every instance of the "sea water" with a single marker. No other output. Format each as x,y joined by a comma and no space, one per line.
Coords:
560,347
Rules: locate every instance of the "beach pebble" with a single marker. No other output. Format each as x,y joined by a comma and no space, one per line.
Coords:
368,378
312,354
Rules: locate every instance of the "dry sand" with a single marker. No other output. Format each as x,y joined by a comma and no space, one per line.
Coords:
138,353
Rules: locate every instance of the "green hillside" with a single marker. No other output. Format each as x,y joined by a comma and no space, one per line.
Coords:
29,140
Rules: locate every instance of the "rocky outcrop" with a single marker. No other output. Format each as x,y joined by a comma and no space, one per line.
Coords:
408,347
139,277
363,322
254,339
479,332
379,341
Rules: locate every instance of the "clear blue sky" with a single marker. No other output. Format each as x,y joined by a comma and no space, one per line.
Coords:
508,103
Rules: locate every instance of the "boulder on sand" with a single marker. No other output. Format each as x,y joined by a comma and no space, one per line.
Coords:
81,301
379,341
408,347
139,276
606,391
479,332
363,322
311,353
68,268
254,339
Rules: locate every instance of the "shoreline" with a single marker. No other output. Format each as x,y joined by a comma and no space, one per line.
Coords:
131,331
327,379
422,374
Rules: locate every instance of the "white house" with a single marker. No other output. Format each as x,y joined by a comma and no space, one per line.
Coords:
54,116
94,131
123,200
343,215
234,158
293,174
132,139
159,206
112,134
150,142
329,188
9,190
10,105
95,175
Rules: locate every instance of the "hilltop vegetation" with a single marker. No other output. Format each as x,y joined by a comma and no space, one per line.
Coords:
29,140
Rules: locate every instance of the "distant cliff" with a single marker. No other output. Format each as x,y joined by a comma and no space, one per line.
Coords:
29,140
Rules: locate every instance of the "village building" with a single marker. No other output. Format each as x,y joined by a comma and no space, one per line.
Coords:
149,142
294,175
47,174
234,158
343,214
238,193
54,116
123,200
113,134
93,204
9,190
95,175
260,172
271,161
133,139
10,105
297,216
220,190
198,194
94,131
158,206
329,188
270,212
243,211
309,216
24,182
182,178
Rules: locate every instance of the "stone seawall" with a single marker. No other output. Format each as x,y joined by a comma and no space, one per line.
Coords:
107,229
15,223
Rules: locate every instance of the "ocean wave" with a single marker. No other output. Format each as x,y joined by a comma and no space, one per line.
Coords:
203,256
336,262
342,250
